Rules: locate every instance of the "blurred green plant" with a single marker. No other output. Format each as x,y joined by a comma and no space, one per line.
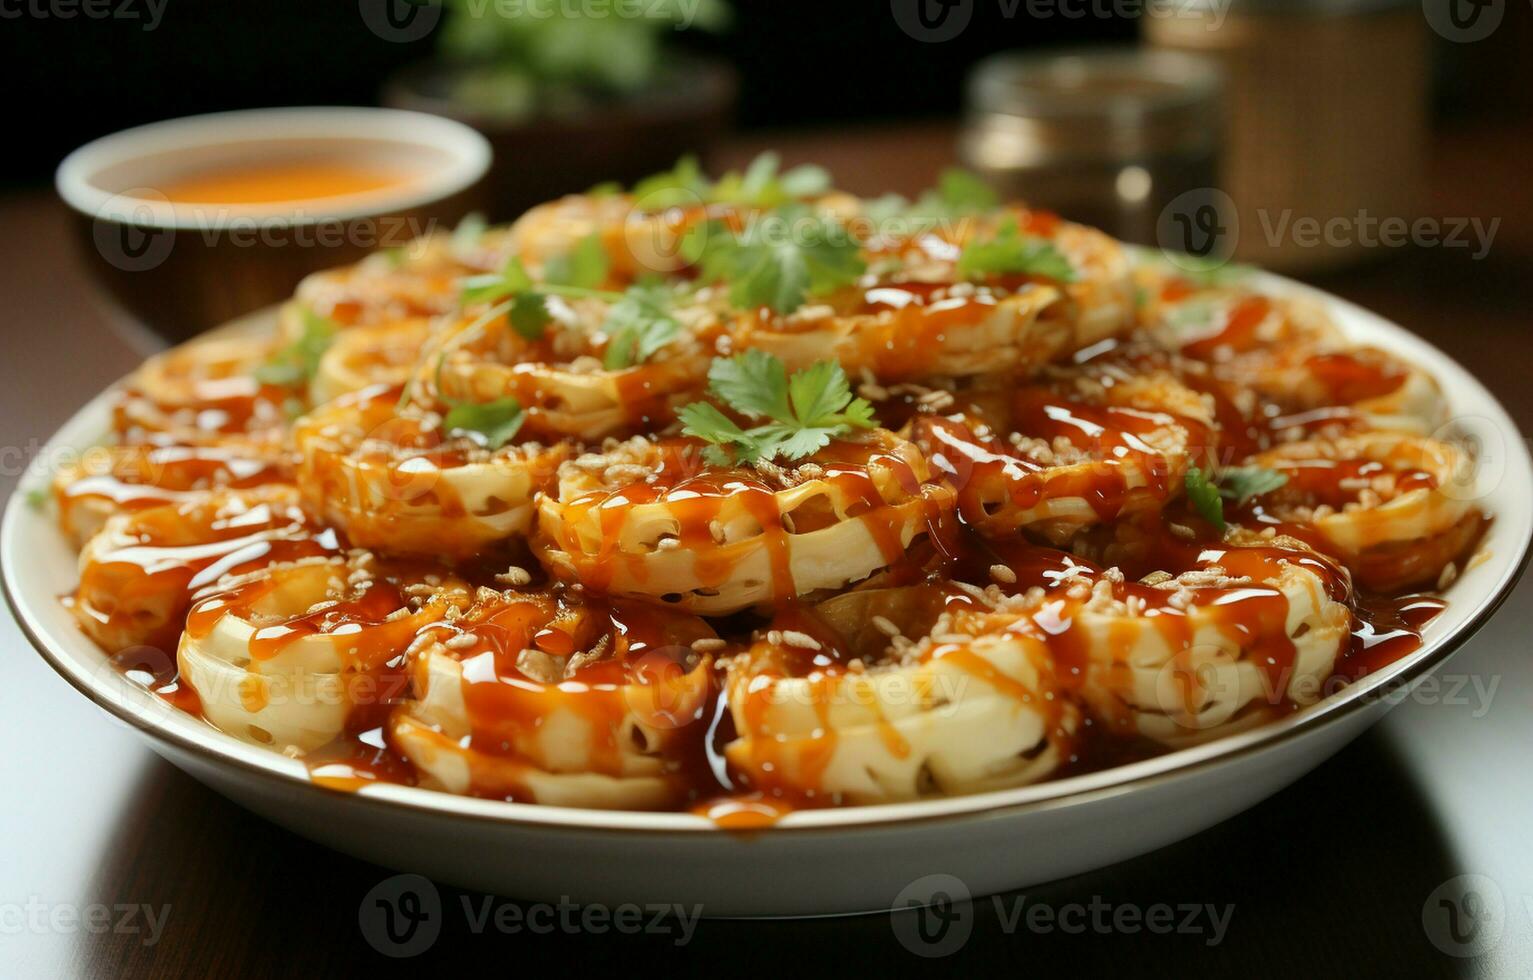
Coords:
518,57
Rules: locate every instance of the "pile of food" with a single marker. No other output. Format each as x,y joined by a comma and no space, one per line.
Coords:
747,495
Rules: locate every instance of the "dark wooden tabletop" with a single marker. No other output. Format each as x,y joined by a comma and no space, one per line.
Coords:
1355,870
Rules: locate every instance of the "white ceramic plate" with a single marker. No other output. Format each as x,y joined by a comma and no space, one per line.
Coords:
813,862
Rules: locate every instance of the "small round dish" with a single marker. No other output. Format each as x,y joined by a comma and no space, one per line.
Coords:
178,265
812,862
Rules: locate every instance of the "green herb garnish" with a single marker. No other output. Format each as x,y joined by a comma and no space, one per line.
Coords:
1205,498
763,187
528,305
638,325
1237,483
961,192
297,363
586,267
760,185
1011,252
804,412
497,421
958,193
466,236
780,259
1241,483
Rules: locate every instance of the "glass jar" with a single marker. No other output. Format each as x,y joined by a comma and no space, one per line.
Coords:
1108,137
1326,119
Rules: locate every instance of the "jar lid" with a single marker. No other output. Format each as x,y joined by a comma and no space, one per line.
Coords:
1094,102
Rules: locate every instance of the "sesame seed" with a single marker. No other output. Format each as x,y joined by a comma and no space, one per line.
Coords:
794,638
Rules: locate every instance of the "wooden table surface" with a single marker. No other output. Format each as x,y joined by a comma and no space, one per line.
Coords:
1341,872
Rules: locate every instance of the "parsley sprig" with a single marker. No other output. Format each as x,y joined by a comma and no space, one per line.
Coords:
296,364
760,185
638,325
779,259
803,412
958,194
575,276
1009,251
494,423
1237,483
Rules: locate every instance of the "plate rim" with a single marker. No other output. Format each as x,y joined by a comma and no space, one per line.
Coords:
1393,681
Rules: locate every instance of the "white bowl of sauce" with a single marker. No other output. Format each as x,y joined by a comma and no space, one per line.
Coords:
192,221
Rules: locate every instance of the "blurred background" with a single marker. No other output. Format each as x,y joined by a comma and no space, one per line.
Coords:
1321,107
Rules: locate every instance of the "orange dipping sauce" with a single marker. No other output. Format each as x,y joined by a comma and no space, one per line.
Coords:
274,182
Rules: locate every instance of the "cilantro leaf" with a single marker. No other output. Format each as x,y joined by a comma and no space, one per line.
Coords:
760,185
779,259
958,194
585,267
529,315
804,412
682,185
297,363
1204,496
1011,252
763,187
752,383
728,442
637,326
962,192
491,287
497,422
466,236
38,497
1241,483
529,301
819,392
